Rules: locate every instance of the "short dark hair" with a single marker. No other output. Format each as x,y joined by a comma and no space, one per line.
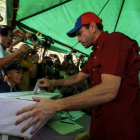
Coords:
86,25
99,26
5,26
4,29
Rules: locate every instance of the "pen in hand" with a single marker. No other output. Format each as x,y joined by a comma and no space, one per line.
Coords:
67,122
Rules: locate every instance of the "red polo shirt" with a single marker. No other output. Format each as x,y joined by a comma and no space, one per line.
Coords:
118,119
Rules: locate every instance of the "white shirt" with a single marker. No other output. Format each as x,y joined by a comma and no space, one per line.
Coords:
3,53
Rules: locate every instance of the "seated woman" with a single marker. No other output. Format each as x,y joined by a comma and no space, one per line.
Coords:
14,75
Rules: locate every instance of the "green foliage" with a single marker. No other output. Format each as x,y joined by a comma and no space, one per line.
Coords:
2,6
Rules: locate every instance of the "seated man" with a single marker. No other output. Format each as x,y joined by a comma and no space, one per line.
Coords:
14,76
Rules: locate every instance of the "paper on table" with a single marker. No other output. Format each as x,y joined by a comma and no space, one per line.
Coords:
64,128
29,94
15,94
76,113
29,97
73,115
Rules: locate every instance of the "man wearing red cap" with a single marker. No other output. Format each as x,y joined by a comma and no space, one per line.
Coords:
113,70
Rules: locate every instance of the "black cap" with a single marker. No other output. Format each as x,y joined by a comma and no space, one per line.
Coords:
4,30
15,67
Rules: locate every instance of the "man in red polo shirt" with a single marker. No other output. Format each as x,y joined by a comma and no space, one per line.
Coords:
113,70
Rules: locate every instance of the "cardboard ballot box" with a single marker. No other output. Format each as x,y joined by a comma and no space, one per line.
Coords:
10,103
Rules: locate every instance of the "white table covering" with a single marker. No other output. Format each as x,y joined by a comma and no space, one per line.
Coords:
9,106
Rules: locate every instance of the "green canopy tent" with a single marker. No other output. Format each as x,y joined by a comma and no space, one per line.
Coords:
55,18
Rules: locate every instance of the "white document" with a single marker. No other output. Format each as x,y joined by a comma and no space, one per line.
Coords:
36,88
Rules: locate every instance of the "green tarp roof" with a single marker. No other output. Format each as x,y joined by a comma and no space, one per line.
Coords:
55,18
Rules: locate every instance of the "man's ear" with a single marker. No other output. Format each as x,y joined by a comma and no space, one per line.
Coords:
93,26
9,74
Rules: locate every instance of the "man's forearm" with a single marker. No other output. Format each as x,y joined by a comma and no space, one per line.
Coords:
68,81
65,82
15,42
8,59
95,96
104,92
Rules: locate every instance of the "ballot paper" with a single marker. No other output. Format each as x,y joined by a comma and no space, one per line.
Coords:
76,114
36,88
64,126
72,115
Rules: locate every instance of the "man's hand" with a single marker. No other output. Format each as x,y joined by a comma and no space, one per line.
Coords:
45,83
16,33
40,112
25,49
29,35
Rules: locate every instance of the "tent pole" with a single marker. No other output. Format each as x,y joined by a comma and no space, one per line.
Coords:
136,35
119,15
12,21
103,7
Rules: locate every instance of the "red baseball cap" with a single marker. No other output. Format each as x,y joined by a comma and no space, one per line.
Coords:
85,18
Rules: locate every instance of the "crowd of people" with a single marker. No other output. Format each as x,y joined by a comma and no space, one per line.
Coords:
37,67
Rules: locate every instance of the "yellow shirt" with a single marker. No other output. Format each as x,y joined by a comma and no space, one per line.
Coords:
25,82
